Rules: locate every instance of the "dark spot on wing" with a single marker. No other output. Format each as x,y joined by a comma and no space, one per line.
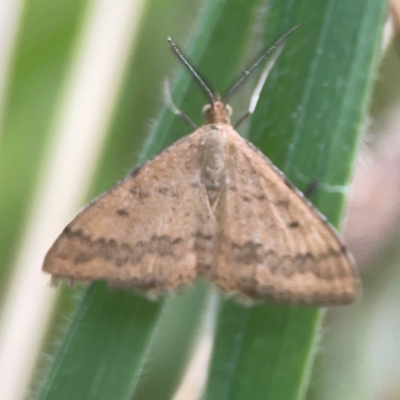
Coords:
122,212
249,253
282,203
140,193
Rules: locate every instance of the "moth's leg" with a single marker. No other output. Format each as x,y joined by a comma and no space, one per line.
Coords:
171,105
260,84
311,188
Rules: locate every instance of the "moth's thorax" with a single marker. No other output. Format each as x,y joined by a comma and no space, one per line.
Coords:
212,160
218,112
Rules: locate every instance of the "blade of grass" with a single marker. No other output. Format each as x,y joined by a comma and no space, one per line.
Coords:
172,343
84,108
359,349
41,56
102,348
220,60
308,122
10,15
137,103
72,367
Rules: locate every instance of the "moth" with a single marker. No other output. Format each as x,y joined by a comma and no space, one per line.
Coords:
211,205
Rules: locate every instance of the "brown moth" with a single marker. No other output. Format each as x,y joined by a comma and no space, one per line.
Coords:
211,205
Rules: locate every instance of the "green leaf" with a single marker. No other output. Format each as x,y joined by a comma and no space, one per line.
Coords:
102,349
308,122
172,342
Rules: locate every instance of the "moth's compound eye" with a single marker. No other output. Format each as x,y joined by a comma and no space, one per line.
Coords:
206,109
229,109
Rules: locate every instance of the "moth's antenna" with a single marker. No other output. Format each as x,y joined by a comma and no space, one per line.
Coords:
246,73
192,71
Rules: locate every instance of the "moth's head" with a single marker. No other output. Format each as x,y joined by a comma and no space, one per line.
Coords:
217,112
